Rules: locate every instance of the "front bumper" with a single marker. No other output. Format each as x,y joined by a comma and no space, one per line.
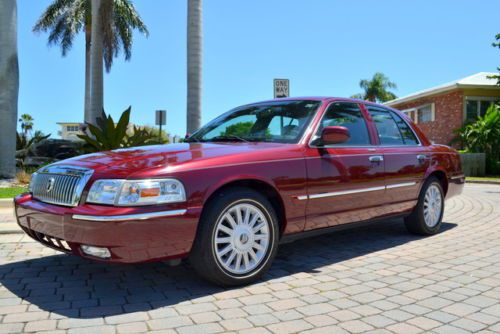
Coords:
131,234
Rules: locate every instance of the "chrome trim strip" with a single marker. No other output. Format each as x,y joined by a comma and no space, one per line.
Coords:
355,191
345,192
138,216
457,177
399,185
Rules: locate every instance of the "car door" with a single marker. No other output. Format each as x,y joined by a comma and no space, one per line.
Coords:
406,161
345,181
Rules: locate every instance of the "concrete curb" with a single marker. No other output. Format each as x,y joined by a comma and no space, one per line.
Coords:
18,231
6,203
482,182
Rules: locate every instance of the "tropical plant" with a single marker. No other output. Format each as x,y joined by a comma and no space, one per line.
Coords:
24,146
9,87
376,89
497,45
26,121
108,135
483,136
64,19
194,64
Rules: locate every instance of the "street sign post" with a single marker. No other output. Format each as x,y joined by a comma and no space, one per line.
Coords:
161,119
281,88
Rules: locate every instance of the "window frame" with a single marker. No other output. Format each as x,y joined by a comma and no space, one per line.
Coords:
416,109
391,112
318,124
478,99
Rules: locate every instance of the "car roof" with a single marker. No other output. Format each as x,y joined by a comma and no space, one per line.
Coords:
320,98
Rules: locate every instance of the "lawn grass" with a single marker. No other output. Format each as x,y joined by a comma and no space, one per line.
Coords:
12,191
484,178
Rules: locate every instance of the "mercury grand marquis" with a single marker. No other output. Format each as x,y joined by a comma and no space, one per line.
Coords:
256,176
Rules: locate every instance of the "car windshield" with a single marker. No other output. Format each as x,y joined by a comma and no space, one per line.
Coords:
279,121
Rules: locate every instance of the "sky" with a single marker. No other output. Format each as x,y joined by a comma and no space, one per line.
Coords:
323,46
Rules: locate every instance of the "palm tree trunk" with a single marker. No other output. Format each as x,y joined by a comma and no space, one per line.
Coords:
194,64
96,64
87,114
9,87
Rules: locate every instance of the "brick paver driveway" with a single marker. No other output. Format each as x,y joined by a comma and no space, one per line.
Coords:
372,279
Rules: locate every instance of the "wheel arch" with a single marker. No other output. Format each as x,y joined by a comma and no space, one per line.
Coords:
261,186
441,176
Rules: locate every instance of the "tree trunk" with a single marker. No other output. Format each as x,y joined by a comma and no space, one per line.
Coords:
9,87
194,64
87,113
96,64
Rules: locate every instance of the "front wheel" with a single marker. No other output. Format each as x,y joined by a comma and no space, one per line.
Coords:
427,216
237,238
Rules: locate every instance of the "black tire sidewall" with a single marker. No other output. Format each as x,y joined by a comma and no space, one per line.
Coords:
272,230
203,254
421,218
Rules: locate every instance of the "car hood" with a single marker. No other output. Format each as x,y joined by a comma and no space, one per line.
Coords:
170,156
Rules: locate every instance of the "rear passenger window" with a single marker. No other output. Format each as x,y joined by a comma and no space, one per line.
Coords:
348,115
406,132
392,130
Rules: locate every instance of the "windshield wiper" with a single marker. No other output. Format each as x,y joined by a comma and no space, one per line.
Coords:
227,138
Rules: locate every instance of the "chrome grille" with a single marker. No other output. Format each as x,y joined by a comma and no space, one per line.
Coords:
61,185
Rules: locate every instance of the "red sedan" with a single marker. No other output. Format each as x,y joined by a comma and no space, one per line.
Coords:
256,176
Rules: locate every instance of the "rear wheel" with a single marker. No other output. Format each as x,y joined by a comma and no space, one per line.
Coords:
237,238
427,216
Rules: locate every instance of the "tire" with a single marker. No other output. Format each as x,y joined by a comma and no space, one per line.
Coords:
422,223
222,243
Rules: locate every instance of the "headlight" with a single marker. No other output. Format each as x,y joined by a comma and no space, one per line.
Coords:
30,187
136,192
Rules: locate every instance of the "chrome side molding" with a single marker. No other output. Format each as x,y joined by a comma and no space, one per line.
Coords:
355,191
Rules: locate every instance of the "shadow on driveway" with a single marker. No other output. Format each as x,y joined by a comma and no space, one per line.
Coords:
78,288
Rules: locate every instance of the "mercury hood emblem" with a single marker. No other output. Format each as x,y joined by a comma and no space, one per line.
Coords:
50,184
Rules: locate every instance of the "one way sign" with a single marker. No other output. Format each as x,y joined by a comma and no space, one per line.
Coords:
281,88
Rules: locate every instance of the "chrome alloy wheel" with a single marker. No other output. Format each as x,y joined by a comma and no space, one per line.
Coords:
242,238
433,205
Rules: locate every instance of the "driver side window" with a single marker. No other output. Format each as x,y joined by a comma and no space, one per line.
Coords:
348,115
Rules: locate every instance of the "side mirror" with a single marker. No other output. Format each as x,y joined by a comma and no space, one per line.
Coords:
334,135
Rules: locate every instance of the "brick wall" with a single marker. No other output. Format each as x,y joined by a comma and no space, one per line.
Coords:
448,115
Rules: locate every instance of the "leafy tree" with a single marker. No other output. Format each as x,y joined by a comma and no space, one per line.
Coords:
106,135
240,129
483,136
26,121
155,133
376,89
64,19
497,45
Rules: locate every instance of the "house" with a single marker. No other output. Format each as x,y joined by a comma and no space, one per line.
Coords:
69,131
438,111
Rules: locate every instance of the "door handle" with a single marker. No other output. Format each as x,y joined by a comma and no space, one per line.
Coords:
421,158
376,158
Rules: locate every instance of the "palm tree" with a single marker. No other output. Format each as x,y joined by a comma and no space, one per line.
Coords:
376,89
26,121
194,54
9,87
64,19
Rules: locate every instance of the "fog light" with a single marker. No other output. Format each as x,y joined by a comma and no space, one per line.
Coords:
101,252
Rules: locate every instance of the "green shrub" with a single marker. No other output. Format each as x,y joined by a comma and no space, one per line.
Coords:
483,136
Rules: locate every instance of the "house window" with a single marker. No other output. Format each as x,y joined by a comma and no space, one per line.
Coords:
476,106
425,113
72,128
422,114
